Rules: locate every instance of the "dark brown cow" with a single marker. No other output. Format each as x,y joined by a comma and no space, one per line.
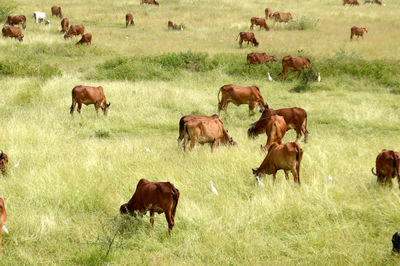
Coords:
282,156
64,24
282,17
3,162
387,167
12,32
241,95
56,11
357,31
248,37
259,22
188,118
129,19
156,197
373,2
259,58
15,20
3,216
210,131
149,2
350,2
294,62
86,38
75,30
89,95
295,118
268,13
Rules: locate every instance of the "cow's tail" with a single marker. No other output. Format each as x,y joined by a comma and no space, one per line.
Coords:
73,104
175,197
219,101
181,129
372,170
396,166
299,156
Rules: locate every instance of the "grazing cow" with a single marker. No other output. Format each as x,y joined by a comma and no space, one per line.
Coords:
3,216
40,16
268,13
89,95
259,58
150,2
396,242
64,24
56,11
387,167
129,19
294,62
12,32
15,20
86,38
350,2
187,118
373,2
295,118
210,131
282,156
156,197
75,30
3,162
171,25
357,31
282,17
241,95
248,37
259,22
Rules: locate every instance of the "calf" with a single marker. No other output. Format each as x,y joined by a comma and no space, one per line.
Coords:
282,156
3,161
56,11
74,30
64,24
294,62
171,25
12,32
15,20
268,13
350,2
150,2
387,167
3,217
188,118
129,19
259,58
248,37
373,2
86,38
357,31
89,95
259,22
40,16
241,95
156,197
282,17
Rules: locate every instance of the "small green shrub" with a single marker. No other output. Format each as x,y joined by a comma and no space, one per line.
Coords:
307,77
303,23
28,69
102,134
6,9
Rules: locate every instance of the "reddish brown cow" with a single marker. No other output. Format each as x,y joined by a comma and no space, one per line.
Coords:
373,2
282,156
171,25
241,95
357,31
248,37
86,38
268,13
259,58
12,32
89,95
294,62
188,118
64,24
282,17
149,2
387,167
56,11
15,20
350,2
129,19
156,197
259,22
3,162
75,30
3,216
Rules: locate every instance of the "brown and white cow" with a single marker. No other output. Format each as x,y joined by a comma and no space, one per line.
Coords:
75,30
210,131
86,38
156,197
241,95
295,63
188,118
259,58
268,13
259,22
387,167
3,216
64,24
150,2
89,95
282,16
56,11
12,32
3,161
350,2
282,156
357,31
249,37
15,20
373,2
129,19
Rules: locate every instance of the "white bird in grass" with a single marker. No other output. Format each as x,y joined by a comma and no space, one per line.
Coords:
213,188
319,77
269,77
147,149
259,181
330,178
5,229
15,166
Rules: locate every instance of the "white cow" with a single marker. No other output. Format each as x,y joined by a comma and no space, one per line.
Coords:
40,16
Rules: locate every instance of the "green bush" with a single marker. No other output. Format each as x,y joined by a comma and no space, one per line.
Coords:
303,23
24,69
6,9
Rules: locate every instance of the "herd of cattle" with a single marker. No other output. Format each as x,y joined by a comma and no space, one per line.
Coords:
162,197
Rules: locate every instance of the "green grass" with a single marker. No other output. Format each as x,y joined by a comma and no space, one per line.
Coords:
63,200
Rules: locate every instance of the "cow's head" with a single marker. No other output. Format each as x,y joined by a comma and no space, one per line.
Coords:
307,63
255,171
365,29
105,107
232,142
255,42
20,38
396,242
156,3
271,58
3,161
251,132
46,21
124,208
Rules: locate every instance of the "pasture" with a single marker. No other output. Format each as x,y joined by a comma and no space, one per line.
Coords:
63,200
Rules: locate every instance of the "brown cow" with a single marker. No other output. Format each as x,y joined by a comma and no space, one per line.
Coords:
259,22
171,25
12,32
275,128
56,11
282,17
129,19
295,118
64,24
387,167
351,2
210,131
3,217
268,13
75,30
150,2
357,31
15,20
259,58
86,38
282,156
3,162
89,95
294,62
241,95
187,118
373,2
248,37
156,197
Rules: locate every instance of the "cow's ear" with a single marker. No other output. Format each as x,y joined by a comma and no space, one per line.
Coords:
254,170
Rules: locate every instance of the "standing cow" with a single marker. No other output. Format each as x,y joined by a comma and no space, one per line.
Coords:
282,17
249,37
259,22
3,217
294,62
3,162
129,19
12,32
15,20
187,118
64,24
241,95
387,167
357,31
350,2
75,30
56,11
86,38
268,13
40,16
89,95
259,58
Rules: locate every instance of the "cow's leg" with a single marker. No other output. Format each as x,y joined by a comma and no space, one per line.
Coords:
214,144
305,131
274,177
79,107
251,106
286,174
96,107
251,26
240,42
169,220
298,74
295,174
192,143
389,181
72,106
152,218
298,133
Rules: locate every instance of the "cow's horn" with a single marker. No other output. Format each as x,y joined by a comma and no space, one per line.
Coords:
109,103
1,156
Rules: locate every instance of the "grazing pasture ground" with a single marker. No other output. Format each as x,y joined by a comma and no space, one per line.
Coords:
63,200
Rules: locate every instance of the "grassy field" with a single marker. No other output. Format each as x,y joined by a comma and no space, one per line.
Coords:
63,200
